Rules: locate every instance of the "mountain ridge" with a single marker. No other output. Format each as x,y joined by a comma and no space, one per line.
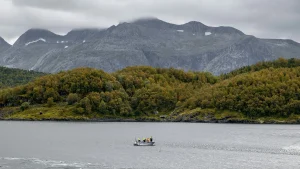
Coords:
153,42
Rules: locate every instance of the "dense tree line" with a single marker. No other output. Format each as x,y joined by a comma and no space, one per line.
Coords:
13,77
159,89
88,89
279,63
134,90
268,92
264,89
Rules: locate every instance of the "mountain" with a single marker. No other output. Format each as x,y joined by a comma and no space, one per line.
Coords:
80,35
150,41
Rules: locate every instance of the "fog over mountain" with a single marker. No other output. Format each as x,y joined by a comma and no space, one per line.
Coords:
262,18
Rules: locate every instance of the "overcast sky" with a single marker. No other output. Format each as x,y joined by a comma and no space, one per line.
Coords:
261,18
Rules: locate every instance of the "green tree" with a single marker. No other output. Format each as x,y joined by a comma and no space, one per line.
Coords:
85,103
50,102
24,106
72,98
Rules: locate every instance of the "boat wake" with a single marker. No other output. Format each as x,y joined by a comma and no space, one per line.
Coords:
294,148
35,163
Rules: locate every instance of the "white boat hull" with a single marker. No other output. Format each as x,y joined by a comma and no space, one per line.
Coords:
143,143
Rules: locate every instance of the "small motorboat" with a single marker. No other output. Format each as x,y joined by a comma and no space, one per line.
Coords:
142,143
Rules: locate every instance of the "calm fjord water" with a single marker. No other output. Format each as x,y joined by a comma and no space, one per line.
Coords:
67,145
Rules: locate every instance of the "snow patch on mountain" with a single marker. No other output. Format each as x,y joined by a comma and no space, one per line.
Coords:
66,47
180,30
40,39
283,44
207,33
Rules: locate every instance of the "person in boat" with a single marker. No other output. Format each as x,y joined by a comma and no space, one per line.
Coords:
144,140
151,139
139,140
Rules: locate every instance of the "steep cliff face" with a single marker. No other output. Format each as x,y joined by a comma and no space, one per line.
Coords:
191,46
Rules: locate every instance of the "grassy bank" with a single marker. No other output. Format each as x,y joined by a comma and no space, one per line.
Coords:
64,112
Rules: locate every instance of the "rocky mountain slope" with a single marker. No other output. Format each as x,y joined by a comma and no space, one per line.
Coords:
3,45
191,46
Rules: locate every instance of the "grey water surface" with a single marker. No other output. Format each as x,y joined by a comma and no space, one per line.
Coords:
74,145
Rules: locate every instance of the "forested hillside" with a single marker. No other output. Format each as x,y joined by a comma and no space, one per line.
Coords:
264,90
280,63
268,92
13,77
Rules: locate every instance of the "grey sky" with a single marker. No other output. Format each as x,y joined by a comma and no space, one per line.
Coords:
261,18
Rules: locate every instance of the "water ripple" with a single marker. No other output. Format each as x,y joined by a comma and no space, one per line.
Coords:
289,150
